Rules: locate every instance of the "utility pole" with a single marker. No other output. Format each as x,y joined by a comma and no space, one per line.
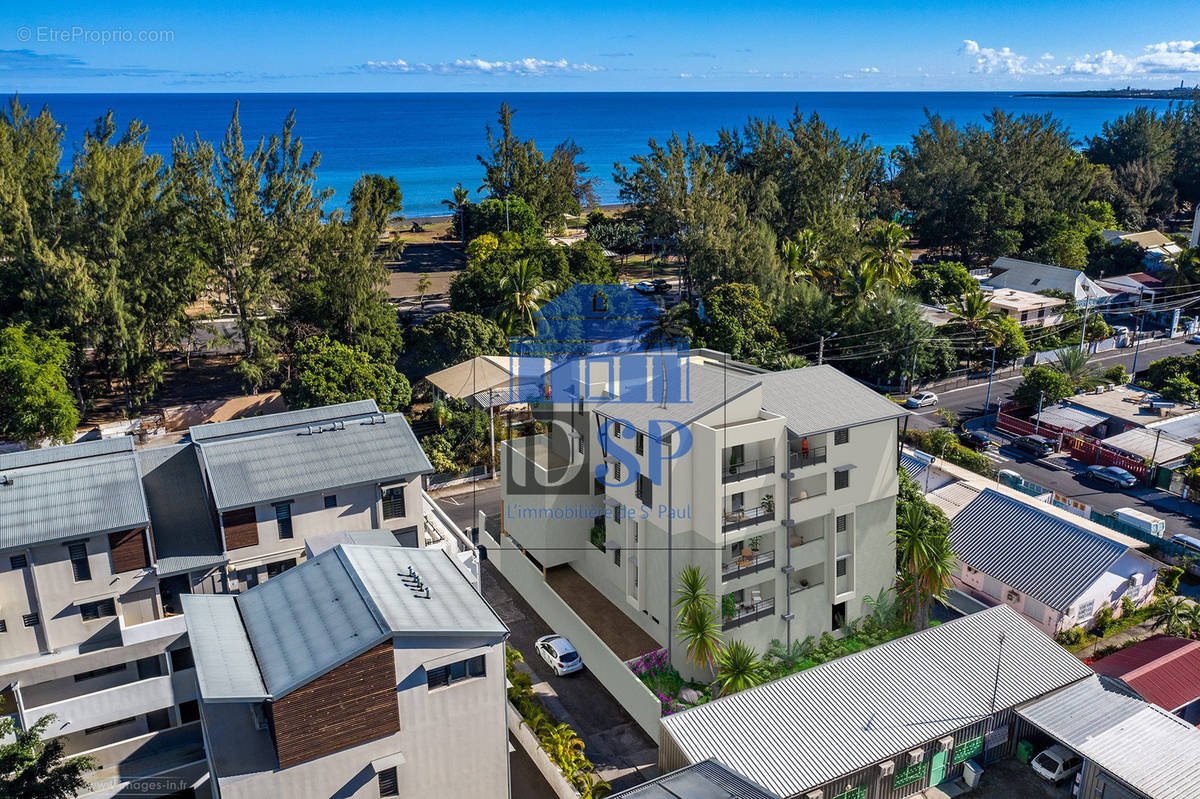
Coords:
1137,346
1083,330
821,348
1038,419
987,402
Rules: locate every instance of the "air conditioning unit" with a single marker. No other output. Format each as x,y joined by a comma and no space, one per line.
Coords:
1135,581
916,756
817,794
946,743
887,768
1013,596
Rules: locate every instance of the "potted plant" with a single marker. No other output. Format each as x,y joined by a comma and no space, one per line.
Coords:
728,607
767,503
733,463
754,542
597,534
804,582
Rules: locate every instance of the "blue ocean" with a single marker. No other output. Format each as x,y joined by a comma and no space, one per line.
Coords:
429,142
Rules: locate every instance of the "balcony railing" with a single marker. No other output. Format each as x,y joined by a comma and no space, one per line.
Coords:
746,517
805,493
801,458
796,586
747,565
747,469
748,613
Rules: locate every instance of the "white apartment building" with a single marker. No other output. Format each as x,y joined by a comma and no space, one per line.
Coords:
366,671
779,486
99,542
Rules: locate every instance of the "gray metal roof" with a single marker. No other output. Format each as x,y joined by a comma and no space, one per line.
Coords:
225,664
1149,443
68,492
815,726
1070,417
316,544
1144,746
185,538
707,780
269,465
277,421
1186,428
707,387
1032,276
816,399
1037,553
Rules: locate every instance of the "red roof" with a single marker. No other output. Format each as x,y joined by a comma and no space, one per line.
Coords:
1164,671
1149,281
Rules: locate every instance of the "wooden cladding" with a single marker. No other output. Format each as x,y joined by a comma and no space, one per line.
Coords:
241,528
128,550
353,704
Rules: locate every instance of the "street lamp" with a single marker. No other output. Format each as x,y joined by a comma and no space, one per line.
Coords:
1038,419
987,402
1137,346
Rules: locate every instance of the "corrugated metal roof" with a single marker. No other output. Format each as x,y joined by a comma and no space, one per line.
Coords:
316,544
1145,444
277,421
1031,276
1163,670
184,536
271,465
69,452
706,388
1186,428
820,398
1069,417
953,497
1143,745
225,666
913,466
60,498
1038,554
707,780
810,728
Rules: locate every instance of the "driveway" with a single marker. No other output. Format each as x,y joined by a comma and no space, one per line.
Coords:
623,754
1010,779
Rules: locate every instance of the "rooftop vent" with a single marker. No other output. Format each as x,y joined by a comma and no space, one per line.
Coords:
413,580
5,480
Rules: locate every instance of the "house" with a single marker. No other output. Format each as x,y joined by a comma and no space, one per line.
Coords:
1139,288
1068,417
1160,249
1150,444
1026,308
1057,572
888,721
365,671
1162,670
706,780
1012,273
100,541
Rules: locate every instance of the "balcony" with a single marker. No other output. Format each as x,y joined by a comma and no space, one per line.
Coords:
806,579
171,626
750,612
746,517
799,459
745,470
747,565
100,707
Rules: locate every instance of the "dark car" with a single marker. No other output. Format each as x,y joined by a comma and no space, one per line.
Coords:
661,285
975,440
1034,445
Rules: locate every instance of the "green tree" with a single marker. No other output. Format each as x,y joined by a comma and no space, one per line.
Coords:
523,292
1075,365
1173,616
459,200
34,768
940,283
492,216
1181,389
700,633
739,321
974,310
35,401
382,191
692,592
738,668
1139,148
925,559
452,337
1048,383
326,372
885,254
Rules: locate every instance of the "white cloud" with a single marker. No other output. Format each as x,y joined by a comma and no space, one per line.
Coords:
993,61
869,70
1047,57
478,66
1163,58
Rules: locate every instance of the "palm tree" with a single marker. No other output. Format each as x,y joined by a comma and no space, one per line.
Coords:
1073,364
1193,620
860,284
1173,616
524,292
926,563
700,632
974,311
738,668
692,592
885,254
457,206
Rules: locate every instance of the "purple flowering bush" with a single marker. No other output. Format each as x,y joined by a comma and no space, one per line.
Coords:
661,678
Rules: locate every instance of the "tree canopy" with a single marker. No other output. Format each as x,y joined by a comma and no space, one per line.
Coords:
35,401
326,372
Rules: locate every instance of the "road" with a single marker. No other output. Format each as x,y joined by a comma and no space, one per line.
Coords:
462,502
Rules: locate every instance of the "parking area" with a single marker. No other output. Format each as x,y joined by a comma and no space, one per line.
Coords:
1010,779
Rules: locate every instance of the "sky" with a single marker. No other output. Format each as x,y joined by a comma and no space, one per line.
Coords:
617,45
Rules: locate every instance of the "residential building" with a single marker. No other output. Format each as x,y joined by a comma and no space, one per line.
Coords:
1066,416
99,542
1055,571
1026,308
885,722
366,671
705,780
1164,671
1138,288
1028,276
1161,251
779,486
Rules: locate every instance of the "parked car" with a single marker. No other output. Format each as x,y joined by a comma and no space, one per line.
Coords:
921,399
661,285
1113,475
975,440
644,286
1194,339
1034,445
1057,763
559,654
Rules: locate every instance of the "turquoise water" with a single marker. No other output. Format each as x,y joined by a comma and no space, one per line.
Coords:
430,141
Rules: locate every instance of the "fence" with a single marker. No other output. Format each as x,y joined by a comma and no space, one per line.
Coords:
1083,448
629,691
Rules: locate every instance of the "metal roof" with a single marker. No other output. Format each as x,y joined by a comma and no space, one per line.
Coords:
707,780
810,728
1186,427
225,666
1144,746
276,464
1038,554
913,465
277,421
706,388
70,491
1163,670
816,399
185,538
1144,443
316,544
1031,276
1070,417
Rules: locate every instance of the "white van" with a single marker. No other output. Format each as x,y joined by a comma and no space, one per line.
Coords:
1142,521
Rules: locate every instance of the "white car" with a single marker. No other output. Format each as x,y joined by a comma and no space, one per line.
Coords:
559,654
1057,763
921,399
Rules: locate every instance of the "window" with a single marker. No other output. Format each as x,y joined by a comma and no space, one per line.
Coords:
189,711
393,503
3,626
617,471
109,725
88,675
248,578
1086,609
579,444
158,720
90,611
839,616
150,667
1024,316
616,514
283,519
841,436
841,479
455,672
641,444
598,486
388,784
279,567
30,620
843,564
330,501
843,522
18,561
644,490
616,429
77,551
616,556
182,659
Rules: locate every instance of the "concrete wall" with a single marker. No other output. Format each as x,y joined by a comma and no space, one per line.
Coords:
528,742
